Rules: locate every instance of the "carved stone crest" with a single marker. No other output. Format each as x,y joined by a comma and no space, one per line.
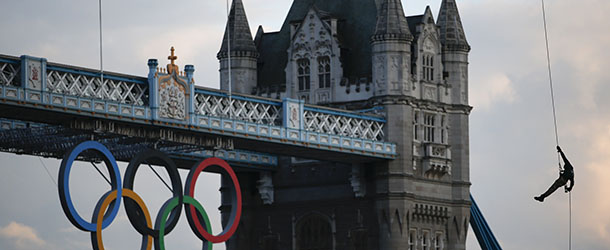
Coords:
172,100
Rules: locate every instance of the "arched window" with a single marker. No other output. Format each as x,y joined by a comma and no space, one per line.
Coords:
324,72
314,233
303,74
428,67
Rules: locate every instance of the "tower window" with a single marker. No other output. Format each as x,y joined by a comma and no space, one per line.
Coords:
412,238
428,67
416,126
324,72
443,129
429,129
303,74
425,241
438,241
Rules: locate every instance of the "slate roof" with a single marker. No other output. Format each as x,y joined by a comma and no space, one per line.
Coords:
391,23
356,25
452,31
238,28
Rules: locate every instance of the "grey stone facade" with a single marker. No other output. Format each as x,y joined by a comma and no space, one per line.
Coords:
360,55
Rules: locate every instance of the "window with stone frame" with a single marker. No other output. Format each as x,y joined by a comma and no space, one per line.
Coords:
438,241
429,127
303,74
416,125
443,129
314,233
412,239
324,72
428,67
425,241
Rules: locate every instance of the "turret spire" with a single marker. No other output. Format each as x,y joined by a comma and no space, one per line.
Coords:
239,31
391,22
452,31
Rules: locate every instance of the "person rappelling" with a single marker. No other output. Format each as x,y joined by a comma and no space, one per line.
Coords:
565,175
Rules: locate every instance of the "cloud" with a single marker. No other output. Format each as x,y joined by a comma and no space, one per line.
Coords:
23,236
493,89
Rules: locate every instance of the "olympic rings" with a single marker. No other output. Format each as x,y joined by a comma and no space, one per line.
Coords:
168,206
64,189
130,175
137,212
101,207
194,221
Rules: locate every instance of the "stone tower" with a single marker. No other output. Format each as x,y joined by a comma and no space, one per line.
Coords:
455,51
242,50
364,55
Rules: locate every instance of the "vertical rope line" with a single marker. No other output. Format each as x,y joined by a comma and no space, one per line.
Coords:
101,54
570,234
229,60
548,61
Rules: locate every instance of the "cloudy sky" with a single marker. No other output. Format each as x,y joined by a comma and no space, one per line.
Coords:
512,141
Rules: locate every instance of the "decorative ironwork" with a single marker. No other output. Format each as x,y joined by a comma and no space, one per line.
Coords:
336,124
88,85
238,108
9,74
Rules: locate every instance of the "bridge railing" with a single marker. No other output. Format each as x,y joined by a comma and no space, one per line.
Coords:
86,83
171,99
10,71
329,121
254,110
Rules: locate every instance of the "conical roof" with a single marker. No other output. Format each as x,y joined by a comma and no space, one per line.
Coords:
391,22
452,31
238,30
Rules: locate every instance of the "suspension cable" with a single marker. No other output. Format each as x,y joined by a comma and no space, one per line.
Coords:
102,174
159,176
47,170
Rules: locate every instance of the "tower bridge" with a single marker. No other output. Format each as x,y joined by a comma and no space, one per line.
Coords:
349,126
61,105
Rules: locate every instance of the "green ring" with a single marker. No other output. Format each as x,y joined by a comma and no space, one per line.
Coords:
164,213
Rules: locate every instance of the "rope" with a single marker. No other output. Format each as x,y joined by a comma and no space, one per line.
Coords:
570,234
101,54
548,59
229,60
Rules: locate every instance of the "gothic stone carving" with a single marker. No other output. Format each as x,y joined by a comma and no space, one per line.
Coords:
172,100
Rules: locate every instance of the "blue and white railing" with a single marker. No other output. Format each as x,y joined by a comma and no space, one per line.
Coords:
170,98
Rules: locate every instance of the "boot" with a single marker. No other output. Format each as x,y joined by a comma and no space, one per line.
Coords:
539,198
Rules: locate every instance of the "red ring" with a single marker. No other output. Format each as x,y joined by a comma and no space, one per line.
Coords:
226,234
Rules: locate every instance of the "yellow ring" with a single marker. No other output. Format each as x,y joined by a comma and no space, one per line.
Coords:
111,197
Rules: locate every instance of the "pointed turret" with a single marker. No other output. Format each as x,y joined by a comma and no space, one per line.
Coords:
240,67
391,50
391,22
452,31
238,30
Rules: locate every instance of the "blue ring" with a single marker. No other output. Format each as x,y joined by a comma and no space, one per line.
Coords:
64,189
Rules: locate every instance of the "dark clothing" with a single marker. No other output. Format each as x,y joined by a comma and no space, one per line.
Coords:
566,175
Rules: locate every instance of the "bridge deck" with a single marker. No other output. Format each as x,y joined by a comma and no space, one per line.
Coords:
124,106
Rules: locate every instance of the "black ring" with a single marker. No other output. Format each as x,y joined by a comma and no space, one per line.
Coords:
132,209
